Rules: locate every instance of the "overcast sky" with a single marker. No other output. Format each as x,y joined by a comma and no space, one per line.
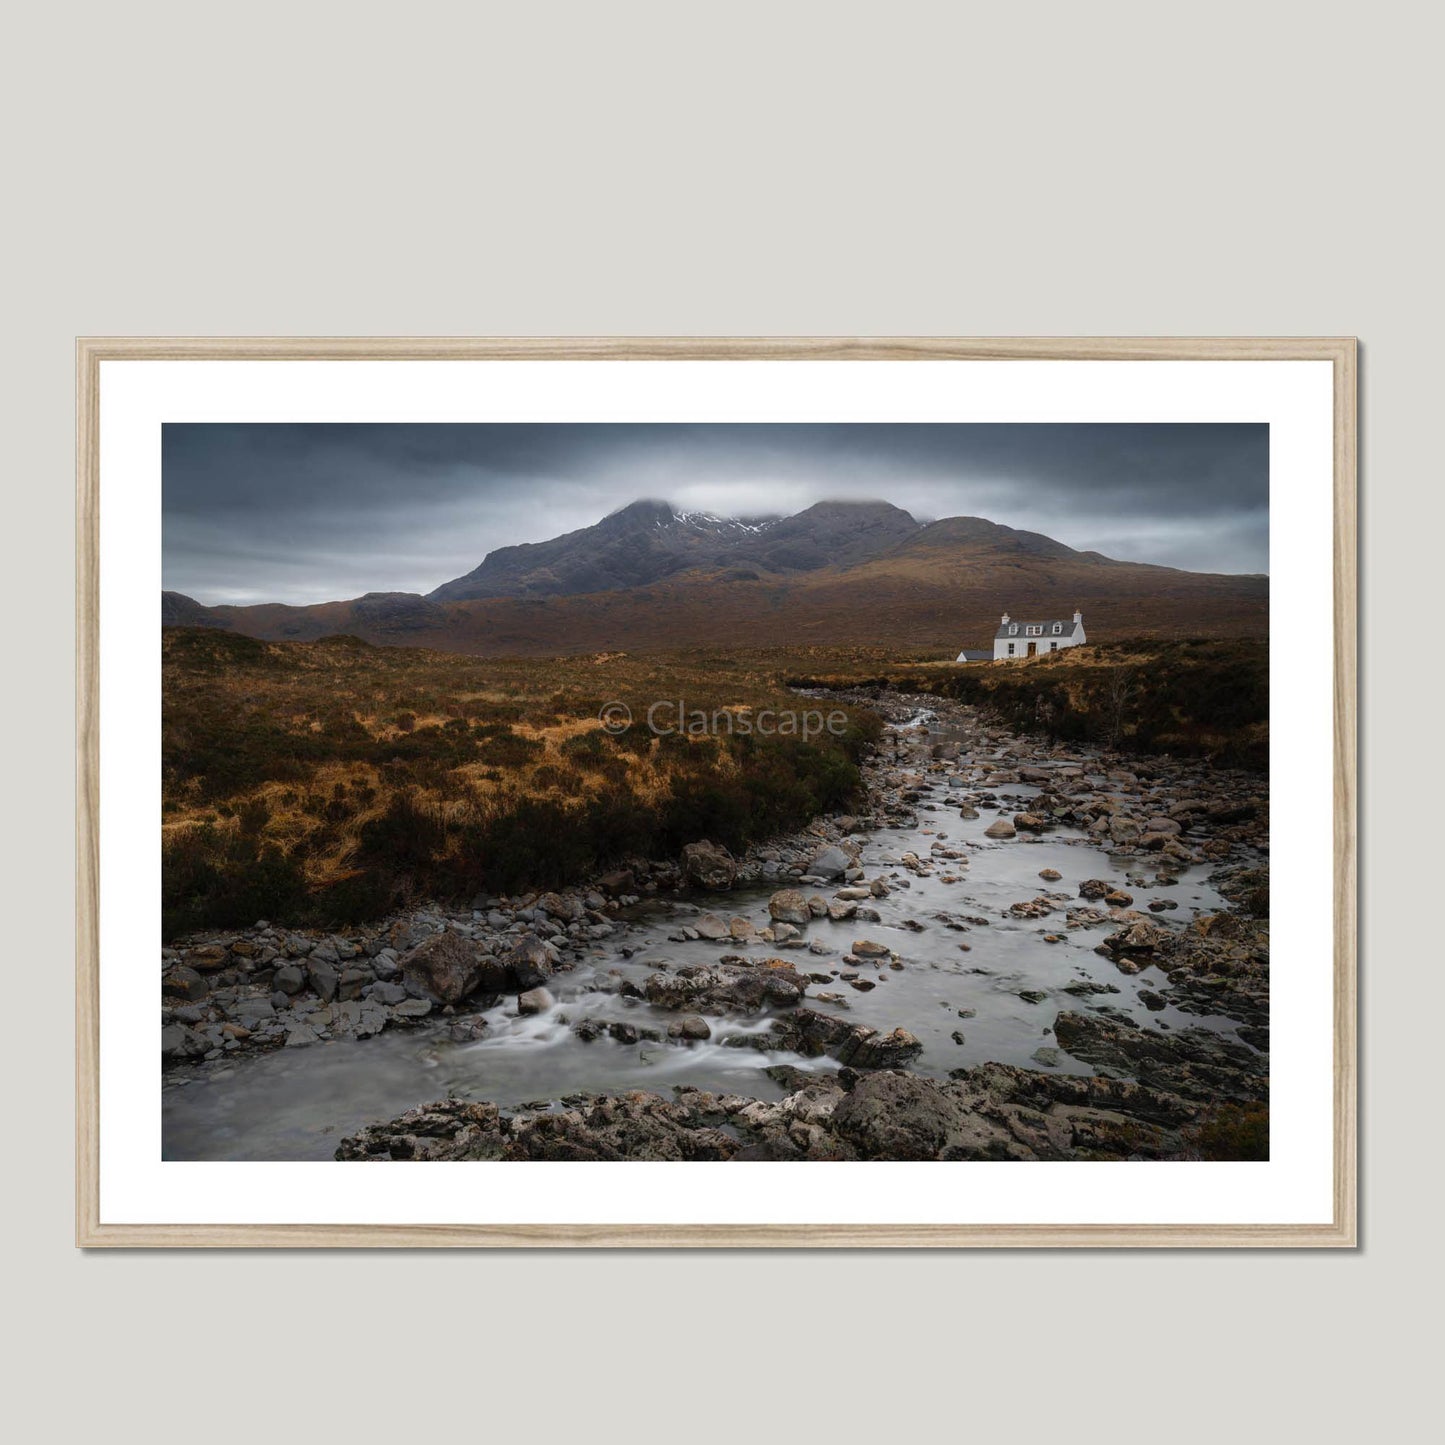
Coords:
313,513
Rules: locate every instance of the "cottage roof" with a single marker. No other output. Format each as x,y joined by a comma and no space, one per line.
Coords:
1021,627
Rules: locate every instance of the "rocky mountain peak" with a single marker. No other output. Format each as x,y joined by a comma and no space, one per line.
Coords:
650,539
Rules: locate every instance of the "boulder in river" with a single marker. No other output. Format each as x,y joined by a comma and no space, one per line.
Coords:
1000,828
709,865
528,965
447,967
830,862
789,906
711,927
869,948
868,1049
1031,908
739,987
534,1001
1141,937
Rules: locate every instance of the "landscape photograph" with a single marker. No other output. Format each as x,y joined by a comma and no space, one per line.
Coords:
715,792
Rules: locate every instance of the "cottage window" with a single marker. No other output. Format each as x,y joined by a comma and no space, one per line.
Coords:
1058,627
1010,649
1033,631
1013,632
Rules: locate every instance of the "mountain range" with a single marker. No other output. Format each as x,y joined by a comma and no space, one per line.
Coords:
648,541
650,577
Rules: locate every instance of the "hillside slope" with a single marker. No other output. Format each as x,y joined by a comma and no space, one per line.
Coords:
649,579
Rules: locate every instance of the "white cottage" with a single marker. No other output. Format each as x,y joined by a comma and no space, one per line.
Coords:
1025,639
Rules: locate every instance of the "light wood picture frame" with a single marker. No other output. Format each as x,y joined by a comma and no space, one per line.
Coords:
94,1231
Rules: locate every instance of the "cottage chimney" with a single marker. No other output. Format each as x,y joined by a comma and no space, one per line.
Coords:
1078,616
1005,617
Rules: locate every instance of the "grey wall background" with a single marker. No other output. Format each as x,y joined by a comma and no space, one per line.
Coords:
792,169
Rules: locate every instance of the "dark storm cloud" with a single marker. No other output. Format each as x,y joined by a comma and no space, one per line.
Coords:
310,513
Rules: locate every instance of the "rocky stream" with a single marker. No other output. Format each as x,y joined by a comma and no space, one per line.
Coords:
1013,950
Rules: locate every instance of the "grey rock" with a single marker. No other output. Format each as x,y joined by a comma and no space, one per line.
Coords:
789,906
352,981
289,979
709,865
180,1042
830,862
711,927
446,967
184,983
321,976
534,1001
528,965
898,1116
737,987
868,1049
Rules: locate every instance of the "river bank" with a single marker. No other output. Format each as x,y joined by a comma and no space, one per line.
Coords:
1063,950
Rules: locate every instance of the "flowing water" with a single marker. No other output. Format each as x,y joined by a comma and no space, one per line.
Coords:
298,1103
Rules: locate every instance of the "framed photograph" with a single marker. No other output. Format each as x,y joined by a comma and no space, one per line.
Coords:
716,792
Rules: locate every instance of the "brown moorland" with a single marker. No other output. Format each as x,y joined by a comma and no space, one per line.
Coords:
938,593
333,781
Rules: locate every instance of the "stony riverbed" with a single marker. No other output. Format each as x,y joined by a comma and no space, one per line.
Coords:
1013,950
